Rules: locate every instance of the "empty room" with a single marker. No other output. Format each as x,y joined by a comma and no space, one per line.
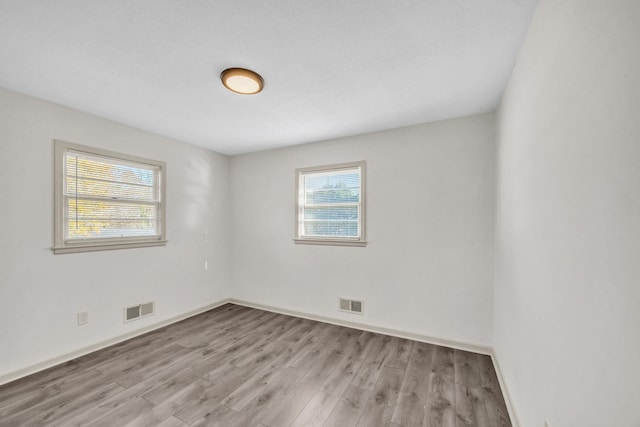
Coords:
320,213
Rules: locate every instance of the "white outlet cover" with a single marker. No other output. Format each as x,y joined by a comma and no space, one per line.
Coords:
83,318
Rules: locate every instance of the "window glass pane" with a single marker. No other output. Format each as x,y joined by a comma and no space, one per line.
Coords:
105,229
107,189
84,165
84,209
105,219
332,187
333,195
343,179
331,228
332,213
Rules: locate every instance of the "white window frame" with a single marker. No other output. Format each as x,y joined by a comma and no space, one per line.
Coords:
61,245
299,206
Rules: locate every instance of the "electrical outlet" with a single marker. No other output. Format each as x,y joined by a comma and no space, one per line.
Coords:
83,318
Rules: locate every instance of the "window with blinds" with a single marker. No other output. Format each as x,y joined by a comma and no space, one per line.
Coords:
107,200
330,205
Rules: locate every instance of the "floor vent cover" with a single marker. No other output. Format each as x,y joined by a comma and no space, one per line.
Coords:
351,305
137,311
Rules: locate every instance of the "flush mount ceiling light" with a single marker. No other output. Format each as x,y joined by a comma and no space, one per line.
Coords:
241,80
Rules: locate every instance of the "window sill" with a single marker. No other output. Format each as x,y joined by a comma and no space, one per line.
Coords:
330,242
70,249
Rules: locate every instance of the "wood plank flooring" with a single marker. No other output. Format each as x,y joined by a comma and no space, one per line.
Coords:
238,366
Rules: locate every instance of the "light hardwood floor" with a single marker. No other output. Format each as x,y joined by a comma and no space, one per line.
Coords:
238,366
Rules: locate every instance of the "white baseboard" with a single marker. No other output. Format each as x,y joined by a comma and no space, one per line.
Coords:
371,328
12,376
515,421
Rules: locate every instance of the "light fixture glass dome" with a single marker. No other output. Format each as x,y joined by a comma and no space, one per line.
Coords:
241,80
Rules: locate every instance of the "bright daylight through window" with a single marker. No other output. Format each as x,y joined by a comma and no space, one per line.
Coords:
330,206
106,200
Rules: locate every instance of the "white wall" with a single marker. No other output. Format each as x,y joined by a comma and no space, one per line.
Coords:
567,296
428,266
41,293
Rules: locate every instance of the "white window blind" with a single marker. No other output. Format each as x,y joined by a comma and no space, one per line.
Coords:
330,204
107,200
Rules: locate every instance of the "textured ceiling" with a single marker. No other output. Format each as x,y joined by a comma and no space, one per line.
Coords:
331,68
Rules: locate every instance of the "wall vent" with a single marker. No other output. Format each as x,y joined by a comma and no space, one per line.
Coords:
351,305
137,311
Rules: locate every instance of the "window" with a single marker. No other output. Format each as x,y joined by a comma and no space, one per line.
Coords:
106,200
330,205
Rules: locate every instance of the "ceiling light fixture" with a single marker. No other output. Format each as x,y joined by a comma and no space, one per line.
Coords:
241,80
